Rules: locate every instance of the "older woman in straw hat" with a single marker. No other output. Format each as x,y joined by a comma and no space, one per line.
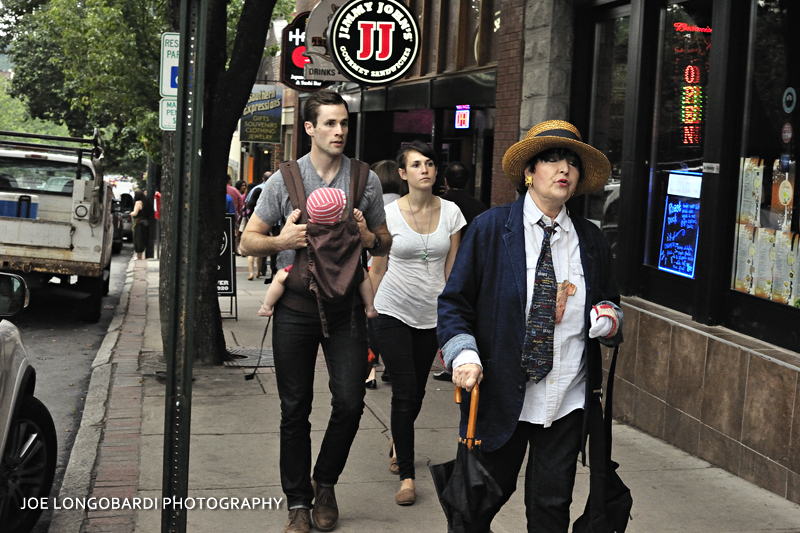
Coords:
531,297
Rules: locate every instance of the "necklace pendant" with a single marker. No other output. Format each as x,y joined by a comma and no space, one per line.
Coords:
425,255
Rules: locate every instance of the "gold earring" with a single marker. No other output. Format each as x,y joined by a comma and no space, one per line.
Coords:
528,181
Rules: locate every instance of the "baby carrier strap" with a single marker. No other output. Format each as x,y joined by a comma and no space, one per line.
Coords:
359,172
294,185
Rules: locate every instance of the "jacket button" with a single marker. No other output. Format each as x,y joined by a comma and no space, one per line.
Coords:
520,388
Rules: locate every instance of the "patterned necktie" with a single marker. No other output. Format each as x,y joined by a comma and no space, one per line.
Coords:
537,350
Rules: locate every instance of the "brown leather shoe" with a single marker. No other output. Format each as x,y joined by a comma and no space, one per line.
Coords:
326,512
299,521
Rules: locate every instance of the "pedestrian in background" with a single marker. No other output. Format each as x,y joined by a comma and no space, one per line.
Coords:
254,266
425,235
140,215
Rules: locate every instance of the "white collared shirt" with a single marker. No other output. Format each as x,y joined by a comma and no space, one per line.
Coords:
562,390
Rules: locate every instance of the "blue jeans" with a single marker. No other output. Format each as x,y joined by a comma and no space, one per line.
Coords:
408,354
549,476
296,337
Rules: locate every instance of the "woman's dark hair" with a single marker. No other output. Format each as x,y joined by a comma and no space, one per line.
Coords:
139,196
415,146
550,155
391,182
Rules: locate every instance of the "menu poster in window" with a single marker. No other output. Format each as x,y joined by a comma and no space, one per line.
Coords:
681,224
745,251
783,267
795,263
783,192
751,174
764,258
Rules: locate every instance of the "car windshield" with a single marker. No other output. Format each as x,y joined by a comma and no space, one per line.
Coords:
39,174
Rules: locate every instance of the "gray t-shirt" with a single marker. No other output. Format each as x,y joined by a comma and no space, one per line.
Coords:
274,205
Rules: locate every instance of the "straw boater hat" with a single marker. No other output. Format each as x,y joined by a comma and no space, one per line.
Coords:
557,134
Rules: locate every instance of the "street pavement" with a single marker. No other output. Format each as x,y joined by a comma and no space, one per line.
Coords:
118,451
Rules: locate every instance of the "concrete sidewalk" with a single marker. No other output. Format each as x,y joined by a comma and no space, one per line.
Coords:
235,447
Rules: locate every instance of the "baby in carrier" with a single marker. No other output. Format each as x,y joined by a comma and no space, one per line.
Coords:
325,206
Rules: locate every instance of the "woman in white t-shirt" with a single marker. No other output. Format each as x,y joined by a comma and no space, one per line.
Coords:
425,235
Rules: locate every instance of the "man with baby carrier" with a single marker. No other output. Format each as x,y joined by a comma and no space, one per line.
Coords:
301,313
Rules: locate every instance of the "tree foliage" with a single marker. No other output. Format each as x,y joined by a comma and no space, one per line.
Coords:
91,64
14,116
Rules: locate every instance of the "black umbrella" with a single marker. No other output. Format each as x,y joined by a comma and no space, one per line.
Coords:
465,487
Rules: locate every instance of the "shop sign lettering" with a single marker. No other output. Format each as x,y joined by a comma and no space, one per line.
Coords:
373,42
293,60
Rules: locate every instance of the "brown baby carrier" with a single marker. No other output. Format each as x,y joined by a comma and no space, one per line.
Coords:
329,268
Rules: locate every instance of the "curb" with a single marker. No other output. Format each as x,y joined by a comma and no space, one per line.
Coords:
83,456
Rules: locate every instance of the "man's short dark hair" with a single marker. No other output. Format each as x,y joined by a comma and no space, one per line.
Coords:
321,98
415,146
456,175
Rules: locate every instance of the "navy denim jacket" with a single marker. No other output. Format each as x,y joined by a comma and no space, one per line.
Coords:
483,307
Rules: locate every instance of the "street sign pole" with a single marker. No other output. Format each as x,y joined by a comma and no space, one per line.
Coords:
179,350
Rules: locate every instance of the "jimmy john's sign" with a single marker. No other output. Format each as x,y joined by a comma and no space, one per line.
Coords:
373,42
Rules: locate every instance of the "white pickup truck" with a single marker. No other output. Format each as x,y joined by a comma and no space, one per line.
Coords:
56,216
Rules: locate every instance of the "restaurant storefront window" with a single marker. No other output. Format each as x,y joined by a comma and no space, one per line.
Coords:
766,258
679,134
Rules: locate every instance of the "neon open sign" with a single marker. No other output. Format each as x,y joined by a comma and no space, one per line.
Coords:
692,105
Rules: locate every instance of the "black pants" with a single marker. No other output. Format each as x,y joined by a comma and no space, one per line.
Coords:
408,354
549,475
296,338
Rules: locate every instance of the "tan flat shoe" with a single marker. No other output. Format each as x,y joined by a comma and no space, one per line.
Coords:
406,496
250,277
394,468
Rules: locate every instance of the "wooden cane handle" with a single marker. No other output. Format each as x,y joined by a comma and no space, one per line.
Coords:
473,416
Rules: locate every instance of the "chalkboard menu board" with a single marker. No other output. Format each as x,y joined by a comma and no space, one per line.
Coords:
681,224
226,266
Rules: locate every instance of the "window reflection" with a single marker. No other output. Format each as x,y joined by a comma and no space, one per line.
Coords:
608,113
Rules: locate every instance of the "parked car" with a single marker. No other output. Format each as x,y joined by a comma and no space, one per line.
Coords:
116,221
28,440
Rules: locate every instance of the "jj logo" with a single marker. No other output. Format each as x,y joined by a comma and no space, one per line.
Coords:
366,36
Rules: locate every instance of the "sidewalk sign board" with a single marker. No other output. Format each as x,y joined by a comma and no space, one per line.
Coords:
226,265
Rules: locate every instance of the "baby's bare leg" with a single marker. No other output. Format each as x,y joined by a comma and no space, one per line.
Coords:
274,293
368,296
